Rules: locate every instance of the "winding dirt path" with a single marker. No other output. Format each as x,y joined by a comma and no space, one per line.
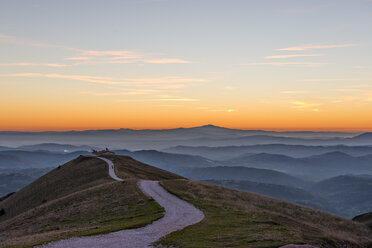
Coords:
111,169
178,215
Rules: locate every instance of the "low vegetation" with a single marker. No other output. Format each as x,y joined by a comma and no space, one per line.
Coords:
240,219
365,219
77,199
127,167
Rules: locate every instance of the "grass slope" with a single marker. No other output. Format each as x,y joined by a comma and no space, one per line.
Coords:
241,219
364,218
79,198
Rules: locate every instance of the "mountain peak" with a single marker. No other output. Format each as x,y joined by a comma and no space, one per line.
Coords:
211,126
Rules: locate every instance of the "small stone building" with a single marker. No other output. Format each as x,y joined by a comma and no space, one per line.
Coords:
103,152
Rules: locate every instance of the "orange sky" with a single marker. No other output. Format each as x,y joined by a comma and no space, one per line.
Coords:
249,64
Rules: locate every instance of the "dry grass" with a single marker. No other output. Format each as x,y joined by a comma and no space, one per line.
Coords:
241,219
76,175
365,219
81,199
127,167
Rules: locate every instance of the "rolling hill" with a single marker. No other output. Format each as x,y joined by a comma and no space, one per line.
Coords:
352,195
207,135
283,192
53,147
35,159
14,179
295,151
169,161
365,219
245,173
318,167
79,198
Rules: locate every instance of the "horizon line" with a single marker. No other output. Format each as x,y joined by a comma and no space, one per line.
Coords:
342,130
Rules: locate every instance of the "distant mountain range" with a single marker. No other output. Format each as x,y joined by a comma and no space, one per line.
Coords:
14,179
316,167
347,195
244,173
316,176
79,199
35,159
208,135
51,147
169,161
296,151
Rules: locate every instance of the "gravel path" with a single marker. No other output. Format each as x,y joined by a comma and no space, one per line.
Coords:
111,169
299,246
178,214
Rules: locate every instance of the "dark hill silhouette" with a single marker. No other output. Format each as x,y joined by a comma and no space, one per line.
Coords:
35,159
352,195
169,161
208,135
80,197
365,219
296,151
284,192
245,173
53,147
317,167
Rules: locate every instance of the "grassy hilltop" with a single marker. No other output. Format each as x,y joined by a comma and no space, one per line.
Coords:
79,198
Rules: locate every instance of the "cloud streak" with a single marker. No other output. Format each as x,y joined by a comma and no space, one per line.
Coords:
23,42
292,56
95,56
304,105
310,64
161,81
308,47
33,64
167,61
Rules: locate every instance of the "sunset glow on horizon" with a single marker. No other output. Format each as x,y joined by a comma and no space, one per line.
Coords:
160,64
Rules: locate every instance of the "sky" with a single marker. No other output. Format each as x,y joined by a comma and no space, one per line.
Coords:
249,64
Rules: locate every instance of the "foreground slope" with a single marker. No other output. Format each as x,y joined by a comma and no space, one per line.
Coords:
79,198
364,218
241,219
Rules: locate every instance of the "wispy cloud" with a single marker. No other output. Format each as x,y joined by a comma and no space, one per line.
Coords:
33,64
95,56
179,99
79,58
369,97
166,61
209,109
230,88
304,105
123,93
114,81
294,92
310,64
115,54
346,90
24,42
223,110
292,56
336,79
122,57
308,47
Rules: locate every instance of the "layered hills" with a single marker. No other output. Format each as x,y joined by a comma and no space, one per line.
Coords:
79,198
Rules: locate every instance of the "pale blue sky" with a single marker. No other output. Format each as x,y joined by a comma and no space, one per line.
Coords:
220,55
